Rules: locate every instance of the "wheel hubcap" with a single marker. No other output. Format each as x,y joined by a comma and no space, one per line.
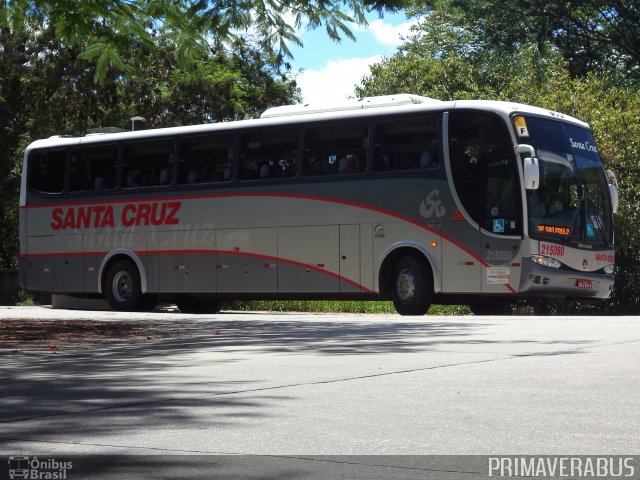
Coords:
406,285
122,286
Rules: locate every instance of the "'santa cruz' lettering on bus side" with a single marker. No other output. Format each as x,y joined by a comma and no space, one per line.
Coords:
165,213
95,216
102,216
551,250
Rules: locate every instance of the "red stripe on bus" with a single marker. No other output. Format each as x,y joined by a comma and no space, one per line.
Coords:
275,195
280,195
264,257
212,252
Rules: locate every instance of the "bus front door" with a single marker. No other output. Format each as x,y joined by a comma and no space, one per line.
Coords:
501,224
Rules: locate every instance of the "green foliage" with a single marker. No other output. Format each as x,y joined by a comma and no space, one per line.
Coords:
337,307
25,300
597,36
106,58
447,62
107,30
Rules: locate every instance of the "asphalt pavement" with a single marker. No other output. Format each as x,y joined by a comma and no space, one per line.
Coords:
285,384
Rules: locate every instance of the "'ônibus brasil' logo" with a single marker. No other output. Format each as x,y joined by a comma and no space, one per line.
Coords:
102,216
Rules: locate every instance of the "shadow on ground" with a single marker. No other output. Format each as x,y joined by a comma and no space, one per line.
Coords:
141,372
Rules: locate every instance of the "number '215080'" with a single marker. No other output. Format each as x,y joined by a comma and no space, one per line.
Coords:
552,250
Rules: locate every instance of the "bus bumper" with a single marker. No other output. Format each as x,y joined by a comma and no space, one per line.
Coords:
547,282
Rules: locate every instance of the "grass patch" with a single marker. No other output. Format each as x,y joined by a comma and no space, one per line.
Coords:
25,300
337,307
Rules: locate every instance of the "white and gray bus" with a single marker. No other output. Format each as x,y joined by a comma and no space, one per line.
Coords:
398,197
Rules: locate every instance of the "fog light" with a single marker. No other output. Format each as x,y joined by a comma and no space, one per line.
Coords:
546,261
609,268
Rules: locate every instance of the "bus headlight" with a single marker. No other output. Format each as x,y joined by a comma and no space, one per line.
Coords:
609,268
546,261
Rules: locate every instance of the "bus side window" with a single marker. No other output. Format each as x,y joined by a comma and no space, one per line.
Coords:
268,154
47,171
206,159
406,144
335,149
147,164
93,168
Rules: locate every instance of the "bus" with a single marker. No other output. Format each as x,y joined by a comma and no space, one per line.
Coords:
401,198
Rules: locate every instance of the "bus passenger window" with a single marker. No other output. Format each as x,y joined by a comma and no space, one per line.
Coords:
47,171
206,159
407,144
147,164
268,154
336,149
93,168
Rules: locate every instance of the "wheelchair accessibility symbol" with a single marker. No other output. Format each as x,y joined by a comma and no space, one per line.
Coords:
498,225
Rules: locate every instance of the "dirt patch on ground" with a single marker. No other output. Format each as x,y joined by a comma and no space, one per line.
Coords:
63,335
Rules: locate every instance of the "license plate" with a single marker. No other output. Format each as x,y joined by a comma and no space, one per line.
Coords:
584,283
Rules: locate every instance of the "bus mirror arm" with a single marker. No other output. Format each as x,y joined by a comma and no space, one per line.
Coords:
531,166
613,190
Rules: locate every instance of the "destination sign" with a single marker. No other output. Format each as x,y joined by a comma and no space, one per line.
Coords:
554,229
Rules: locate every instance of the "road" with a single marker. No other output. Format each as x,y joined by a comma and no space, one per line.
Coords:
317,384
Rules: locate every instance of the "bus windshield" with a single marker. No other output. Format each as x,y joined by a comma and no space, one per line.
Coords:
572,203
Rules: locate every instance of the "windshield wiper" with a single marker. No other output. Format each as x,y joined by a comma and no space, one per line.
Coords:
597,220
600,226
578,208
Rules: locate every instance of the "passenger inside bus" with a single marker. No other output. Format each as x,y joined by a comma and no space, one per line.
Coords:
428,159
265,170
100,183
193,177
350,164
543,205
165,176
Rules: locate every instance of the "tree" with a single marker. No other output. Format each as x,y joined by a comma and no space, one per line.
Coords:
114,27
11,104
592,35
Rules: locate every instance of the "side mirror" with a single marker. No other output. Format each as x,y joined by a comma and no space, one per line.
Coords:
613,190
530,165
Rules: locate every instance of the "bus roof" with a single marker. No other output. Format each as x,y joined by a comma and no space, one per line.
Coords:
360,104
294,114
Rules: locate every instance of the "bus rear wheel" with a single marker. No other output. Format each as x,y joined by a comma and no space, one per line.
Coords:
122,287
194,304
412,286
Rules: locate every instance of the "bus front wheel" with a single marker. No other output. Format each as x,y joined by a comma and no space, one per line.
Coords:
122,287
412,286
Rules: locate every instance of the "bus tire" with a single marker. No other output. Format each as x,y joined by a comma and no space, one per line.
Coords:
193,304
122,286
411,286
